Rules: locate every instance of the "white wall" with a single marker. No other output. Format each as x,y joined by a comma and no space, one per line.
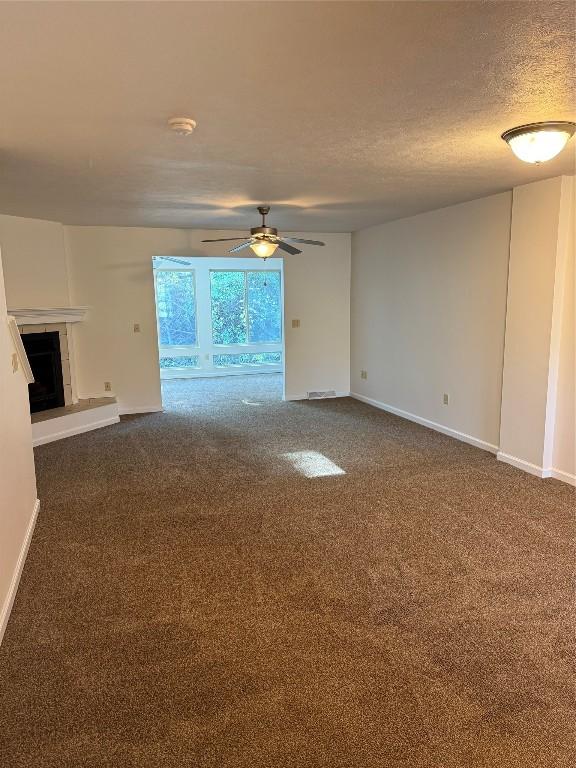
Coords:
537,426
428,314
564,455
111,271
563,458
317,292
17,478
34,259
529,320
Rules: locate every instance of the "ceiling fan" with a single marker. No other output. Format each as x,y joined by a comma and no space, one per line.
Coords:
264,240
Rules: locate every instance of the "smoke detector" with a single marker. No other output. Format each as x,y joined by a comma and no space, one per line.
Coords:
182,125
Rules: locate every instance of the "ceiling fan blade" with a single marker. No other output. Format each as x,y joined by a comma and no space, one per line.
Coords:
288,248
240,247
175,260
222,240
300,240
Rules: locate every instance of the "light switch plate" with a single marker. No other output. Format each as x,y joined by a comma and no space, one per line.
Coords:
295,323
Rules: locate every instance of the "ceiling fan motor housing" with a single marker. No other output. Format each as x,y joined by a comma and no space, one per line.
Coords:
264,232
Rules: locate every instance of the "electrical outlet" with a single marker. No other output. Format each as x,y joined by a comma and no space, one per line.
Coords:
446,398
363,374
136,327
107,386
295,323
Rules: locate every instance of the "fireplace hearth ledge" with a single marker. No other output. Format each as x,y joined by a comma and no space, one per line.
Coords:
86,415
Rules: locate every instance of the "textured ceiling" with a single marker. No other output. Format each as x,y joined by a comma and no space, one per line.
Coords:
341,115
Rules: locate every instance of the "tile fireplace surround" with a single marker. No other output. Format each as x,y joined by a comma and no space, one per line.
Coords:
76,416
60,319
64,352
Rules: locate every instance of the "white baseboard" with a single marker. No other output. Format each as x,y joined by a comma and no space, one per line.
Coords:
476,442
304,396
78,430
126,410
536,470
95,395
526,466
9,600
74,424
565,477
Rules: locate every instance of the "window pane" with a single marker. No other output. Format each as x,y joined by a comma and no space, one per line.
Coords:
228,307
248,358
179,362
176,307
264,307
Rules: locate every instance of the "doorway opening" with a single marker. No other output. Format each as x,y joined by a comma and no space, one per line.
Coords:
220,329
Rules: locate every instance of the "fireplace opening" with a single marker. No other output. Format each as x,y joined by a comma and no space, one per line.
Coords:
43,351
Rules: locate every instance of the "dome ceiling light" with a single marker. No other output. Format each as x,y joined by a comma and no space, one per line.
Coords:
539,142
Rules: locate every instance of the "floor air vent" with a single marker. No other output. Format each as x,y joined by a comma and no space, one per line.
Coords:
321,395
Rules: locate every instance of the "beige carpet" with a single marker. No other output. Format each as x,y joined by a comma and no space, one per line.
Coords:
245,583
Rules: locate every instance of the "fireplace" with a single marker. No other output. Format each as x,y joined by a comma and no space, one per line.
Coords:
43,351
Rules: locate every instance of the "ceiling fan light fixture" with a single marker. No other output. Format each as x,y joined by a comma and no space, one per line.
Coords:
539,142
182,125
263,248
264,240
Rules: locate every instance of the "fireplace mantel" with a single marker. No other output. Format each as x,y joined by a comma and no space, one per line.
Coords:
48,315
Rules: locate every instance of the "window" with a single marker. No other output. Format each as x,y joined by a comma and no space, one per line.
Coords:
218,316
248,358
264,307
228,296
246,307
184,361
176,307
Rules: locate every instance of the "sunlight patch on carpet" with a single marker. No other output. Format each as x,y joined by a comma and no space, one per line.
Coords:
313,464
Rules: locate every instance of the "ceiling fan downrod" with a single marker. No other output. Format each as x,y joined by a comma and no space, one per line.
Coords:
263,210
